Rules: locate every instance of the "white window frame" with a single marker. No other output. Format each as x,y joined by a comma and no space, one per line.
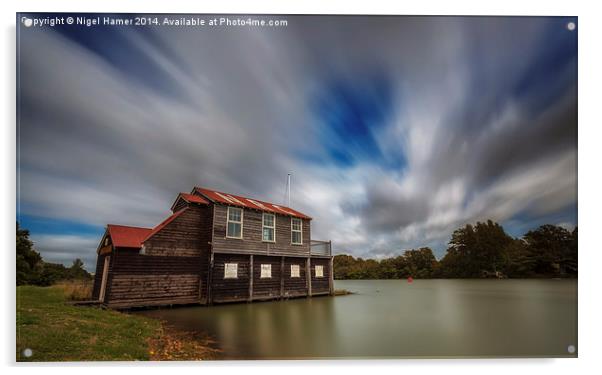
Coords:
266,271
297,268
230,265
228,221
263,226
300,231
321,268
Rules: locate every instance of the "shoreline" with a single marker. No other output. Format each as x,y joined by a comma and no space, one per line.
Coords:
51,329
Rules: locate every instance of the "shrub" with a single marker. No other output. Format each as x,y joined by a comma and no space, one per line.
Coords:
76,290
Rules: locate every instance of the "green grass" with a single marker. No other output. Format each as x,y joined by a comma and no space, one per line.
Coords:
56,331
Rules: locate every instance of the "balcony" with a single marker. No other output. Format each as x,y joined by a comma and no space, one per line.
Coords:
321,247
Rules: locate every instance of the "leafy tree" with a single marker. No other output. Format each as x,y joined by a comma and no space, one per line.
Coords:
419,263
28,260
477,250
77,271
553,250
518,262
32,269
474,251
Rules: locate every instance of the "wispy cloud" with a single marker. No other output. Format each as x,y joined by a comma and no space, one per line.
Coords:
396,129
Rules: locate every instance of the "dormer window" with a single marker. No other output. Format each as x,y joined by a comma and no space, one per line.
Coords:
234,223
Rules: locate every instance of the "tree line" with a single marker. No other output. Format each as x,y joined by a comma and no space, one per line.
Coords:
476,251
33,270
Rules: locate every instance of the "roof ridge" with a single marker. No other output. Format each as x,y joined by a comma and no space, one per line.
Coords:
219,196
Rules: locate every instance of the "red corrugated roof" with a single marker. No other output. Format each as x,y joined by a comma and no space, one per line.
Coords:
164,223
190,198
124,236
235,200
193,198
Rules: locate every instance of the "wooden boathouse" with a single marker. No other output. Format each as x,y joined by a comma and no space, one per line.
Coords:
214,248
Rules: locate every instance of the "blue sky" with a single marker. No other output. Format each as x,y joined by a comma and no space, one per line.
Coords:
397,130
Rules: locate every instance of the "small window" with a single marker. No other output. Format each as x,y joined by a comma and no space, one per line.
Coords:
295,270
266,271
319,271
230,270
234,223
107,241
269,227
296,231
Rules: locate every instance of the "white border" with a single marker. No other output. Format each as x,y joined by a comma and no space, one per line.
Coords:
590,61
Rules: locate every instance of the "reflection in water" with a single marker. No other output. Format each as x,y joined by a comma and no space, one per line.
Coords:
391,318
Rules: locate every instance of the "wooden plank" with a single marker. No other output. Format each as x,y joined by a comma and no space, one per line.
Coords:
331,277
282,277
308,275
106,249
105,276
251,278
210,281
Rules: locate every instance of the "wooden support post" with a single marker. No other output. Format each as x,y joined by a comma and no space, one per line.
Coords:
251,272
308,276
210,281
105,277
331,276
282,277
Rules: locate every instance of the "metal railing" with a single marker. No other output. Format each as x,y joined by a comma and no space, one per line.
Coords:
320,247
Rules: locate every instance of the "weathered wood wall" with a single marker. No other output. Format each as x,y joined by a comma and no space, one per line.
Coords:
228,290
181,203
188,235
143,280
320,285
296,286
173,268
266,287
252,234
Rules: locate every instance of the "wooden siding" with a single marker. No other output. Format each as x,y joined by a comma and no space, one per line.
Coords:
188,235
142,280
173,268
181,203
296,286
266,287
320,285
252,234
226,290
155,289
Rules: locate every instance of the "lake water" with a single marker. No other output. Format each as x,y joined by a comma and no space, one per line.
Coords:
397,319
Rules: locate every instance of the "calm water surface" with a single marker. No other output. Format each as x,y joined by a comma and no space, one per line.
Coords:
392,318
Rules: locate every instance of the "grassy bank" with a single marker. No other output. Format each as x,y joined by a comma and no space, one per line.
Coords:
57,331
